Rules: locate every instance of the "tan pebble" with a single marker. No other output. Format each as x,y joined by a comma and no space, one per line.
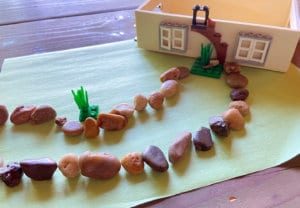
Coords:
123,109
156,100
184,72
69,165
42,114
236,80
133,163
231,67
234,119
60,121
3,114
22,114
169,88
179,147
91,129
140,102
240,105
72,128
99,165
171,74
109,121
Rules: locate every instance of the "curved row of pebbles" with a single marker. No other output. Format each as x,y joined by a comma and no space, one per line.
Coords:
105,165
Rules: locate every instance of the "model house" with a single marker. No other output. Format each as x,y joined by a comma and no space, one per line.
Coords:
260,34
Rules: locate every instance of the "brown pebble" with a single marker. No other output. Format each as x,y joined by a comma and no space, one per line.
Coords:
231,67
156,100
99,165
3,114
39,169
133,163
239,94
240,105
155,158
179,147
140,102
236,80
170,74
202,139
22,114
184,72
234,119
169,88
91,129
11,174
69,165
72,128
123,109
42,114
60,121
219,126
111,122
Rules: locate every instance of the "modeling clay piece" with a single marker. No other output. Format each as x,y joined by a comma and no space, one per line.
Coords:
82,101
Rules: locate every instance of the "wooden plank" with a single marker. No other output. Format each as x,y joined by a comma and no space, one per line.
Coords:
274,187
71,32
16,11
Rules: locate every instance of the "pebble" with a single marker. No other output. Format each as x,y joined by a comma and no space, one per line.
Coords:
179,147
231,67
155,158
156,100
241,106
219,126
140,102
39,169
111,122
234,119
60,121
22,114
133,163
239,94
42,114
202,139
1,162
236,80
169,88
123,109
69,165
72,128
91,129
11,174
170,74
3,115
99,165
184,72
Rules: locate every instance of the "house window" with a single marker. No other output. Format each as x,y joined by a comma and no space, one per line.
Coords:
173,37
252,48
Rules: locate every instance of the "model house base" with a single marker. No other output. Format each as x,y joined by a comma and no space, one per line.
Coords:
260,34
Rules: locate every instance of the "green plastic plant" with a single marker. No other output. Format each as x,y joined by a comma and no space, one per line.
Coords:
82,101
206,52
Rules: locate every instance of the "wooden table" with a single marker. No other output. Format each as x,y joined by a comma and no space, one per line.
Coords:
29,27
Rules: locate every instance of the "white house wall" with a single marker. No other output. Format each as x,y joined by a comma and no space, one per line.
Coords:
279,56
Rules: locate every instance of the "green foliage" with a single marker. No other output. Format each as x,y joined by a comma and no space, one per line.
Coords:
206,52
82,100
